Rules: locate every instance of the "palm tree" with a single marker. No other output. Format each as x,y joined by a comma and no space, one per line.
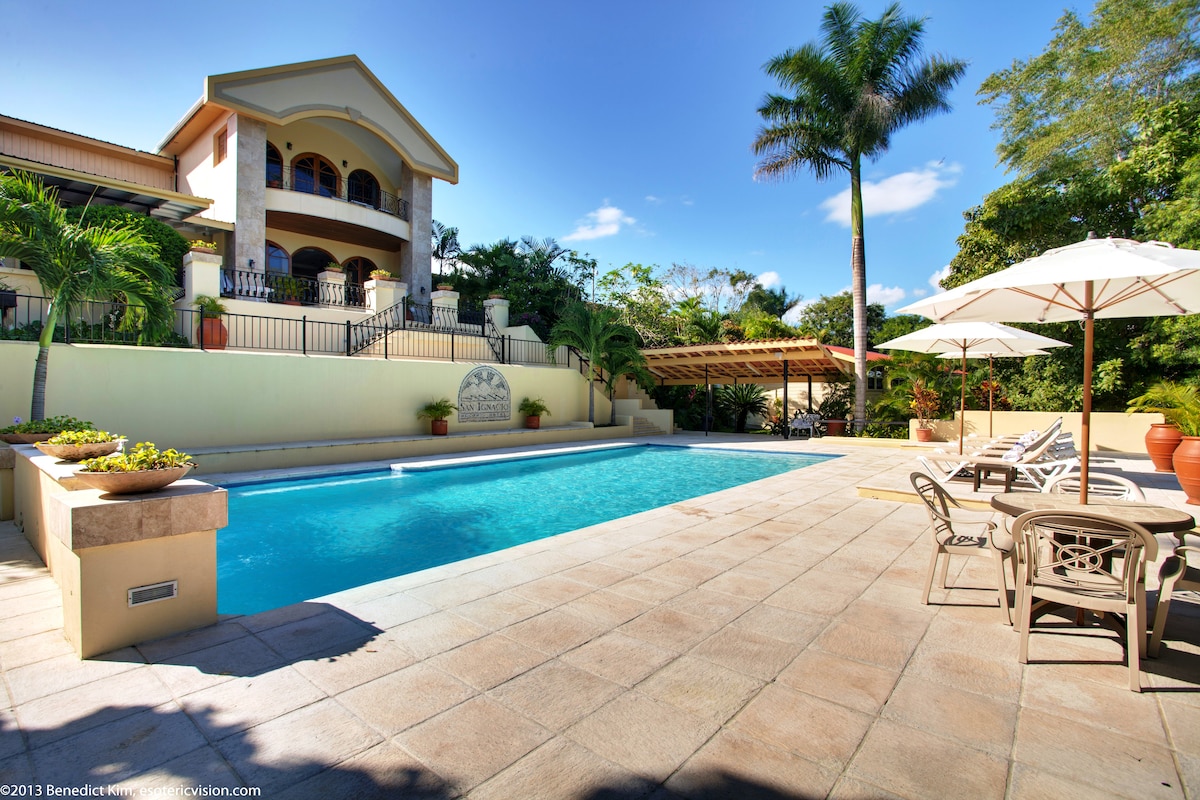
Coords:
853,90
741,400
445,246
595,331
76,263
623,359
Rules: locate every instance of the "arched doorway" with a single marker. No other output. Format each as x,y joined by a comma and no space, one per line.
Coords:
361,187
308,262
358,269
274,167
313,174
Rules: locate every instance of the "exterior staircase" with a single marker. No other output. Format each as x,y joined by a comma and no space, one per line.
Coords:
644,427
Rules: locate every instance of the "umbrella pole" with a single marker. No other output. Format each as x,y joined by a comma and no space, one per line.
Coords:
990,387
962,401
1089,337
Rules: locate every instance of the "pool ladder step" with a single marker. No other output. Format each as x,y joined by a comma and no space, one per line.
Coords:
644,427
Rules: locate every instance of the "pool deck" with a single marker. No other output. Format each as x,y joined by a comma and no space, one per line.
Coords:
765,641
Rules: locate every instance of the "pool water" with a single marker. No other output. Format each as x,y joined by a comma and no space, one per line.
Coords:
289,541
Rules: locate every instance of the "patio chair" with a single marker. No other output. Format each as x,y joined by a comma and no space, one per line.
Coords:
807,422
1099,485
1090,562
957,531
1176,574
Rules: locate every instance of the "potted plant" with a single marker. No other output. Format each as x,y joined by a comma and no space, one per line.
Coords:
381,275
437,412
835,407
201,246
924,404
333,266
533,410
39,430
144,469
289,289
445,287
211,331
1164,437
78,445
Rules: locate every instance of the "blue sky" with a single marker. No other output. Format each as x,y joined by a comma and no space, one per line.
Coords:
621,129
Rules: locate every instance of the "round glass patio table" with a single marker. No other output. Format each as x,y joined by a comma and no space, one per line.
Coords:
1156,519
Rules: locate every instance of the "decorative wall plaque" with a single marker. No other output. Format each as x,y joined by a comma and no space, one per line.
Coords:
484,396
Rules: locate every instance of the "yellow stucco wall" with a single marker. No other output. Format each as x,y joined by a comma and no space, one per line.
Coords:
1110,430
200,177
312,137
341,251
189,398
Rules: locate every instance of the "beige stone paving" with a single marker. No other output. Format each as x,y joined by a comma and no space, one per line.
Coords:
766,641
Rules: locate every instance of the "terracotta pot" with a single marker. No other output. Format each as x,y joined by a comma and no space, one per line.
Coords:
1187,468
215,334
1161,441
25,438
78,452
924,434
533,422
440,427
835,427
150,480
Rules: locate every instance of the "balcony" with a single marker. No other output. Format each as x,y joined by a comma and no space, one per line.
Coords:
274,287
335,188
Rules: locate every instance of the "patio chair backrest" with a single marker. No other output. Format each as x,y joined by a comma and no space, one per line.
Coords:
937,504
1084,553
1099,485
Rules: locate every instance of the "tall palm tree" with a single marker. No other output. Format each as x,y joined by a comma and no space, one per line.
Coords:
595,331
622,359
864,81
74,263
445,246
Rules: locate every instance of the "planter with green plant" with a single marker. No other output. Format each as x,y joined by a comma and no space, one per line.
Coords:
437,412
143,469
333,266
1174,401
381,275
533,411
288,290
835,407
445,287
211,331
39,430
201,246
78,445
924,404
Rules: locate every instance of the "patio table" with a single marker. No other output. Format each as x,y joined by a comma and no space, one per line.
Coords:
1154,518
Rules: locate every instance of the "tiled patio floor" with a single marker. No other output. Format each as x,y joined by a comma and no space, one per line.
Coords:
765,641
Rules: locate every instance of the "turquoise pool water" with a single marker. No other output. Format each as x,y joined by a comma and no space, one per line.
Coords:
289,541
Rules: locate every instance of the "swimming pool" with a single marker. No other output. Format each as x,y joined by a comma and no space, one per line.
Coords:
293,540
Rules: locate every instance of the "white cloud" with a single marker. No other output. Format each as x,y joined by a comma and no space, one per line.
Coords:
920,292
770,279
896,194
658,201
687,201
886,295
792,315
604,221
936,278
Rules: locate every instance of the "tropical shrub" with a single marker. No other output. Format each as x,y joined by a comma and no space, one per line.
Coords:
144,456
49,425
437,409
84,437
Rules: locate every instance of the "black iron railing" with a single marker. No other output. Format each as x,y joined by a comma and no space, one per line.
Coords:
275,287
441,335
336,188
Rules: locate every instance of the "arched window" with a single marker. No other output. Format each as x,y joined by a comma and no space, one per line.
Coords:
274,166
277,259
875,380
313,174
361,187
358,269
308,262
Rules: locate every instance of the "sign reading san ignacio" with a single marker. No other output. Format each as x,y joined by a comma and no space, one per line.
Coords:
484,396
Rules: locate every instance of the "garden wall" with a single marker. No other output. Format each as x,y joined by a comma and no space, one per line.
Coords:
193,398
1110,430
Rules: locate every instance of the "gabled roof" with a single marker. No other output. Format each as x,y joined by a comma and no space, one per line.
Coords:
338,88
745,362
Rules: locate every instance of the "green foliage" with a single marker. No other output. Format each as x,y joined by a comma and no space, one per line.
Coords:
830,320
881,430
924,402
838,402
1179,403
897,326
531,407
597,333
106,332
85,437
210,307
437,409
144,456
170,243
48,425
1074,106
643,300
200,244
381,274
741,400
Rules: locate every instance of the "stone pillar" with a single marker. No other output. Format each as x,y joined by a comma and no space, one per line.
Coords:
416,254
496,309
248,143
201,275
383,294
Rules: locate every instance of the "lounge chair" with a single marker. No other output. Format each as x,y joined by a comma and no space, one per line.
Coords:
1049,459
1179,573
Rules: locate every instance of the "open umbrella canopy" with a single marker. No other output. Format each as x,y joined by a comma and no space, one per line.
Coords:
1093,278
964,337
989,355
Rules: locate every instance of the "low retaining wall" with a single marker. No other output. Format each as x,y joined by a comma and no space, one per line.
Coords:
1113,431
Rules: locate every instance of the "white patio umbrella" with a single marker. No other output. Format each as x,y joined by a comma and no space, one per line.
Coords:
989,355
969,336
1104,278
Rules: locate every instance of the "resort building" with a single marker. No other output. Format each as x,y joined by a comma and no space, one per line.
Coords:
288,169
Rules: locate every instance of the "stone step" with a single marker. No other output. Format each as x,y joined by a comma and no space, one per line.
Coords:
644,427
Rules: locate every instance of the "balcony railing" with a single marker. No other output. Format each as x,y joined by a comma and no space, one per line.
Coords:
335,188
275,287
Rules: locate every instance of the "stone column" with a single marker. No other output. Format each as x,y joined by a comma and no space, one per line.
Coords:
416,254
383,294
248,141
496,310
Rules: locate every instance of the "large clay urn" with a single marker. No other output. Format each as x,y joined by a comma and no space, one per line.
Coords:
1187,468
1161,441
835,427
215,334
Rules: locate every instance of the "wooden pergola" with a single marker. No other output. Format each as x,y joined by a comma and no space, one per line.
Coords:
766,362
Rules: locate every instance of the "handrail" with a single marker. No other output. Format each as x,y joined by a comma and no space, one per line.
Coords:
337,188
278,287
